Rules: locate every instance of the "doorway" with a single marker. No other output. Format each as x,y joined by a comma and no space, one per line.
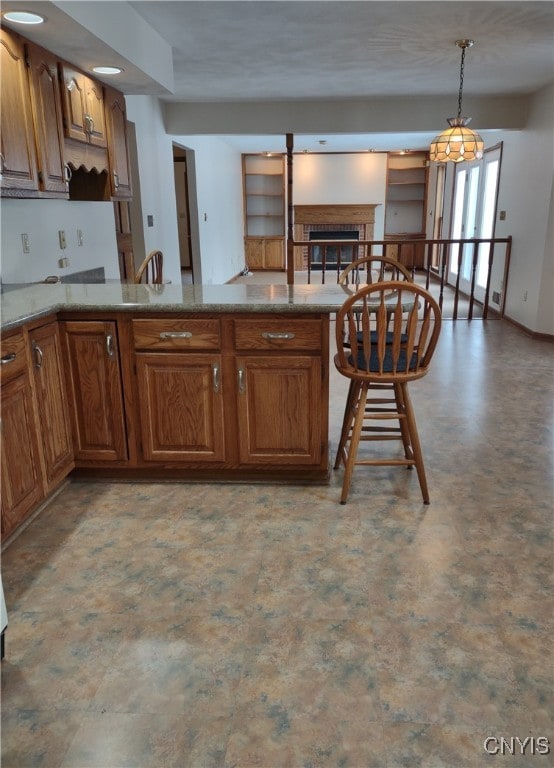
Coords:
181,173
474,215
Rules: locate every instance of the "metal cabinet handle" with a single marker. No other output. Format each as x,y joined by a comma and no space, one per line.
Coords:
175,335
2,162
89,124
115,180
109,345
8,358
39,355
67,172
277,335
242,383
215,375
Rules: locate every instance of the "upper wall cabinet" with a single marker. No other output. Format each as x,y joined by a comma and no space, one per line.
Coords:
18,155
83,106
118,151
47,115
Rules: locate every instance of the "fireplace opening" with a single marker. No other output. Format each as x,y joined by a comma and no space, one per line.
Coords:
331,256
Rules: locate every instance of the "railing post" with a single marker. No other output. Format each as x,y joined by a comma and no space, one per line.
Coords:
474,257
488,286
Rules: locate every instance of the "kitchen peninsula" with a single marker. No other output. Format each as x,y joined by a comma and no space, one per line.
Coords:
226,382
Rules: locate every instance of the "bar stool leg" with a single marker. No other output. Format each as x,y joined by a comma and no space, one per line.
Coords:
353,391
414,439
359,409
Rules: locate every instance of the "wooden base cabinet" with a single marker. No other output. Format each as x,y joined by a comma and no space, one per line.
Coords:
279,410
52,405
181,407
22,481
95,393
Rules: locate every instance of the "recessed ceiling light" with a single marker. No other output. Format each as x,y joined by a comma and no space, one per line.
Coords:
23,17
107,70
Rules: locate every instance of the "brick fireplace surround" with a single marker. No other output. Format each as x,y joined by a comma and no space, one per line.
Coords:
319,218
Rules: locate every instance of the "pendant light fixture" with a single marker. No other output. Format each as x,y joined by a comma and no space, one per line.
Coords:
458,142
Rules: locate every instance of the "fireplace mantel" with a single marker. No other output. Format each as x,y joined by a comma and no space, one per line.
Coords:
334,214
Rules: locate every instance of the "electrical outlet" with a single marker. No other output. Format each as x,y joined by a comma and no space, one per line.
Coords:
80,238
25,241
149,220
496,297
502,216
63,242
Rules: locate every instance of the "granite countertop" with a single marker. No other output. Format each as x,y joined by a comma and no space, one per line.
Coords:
37,300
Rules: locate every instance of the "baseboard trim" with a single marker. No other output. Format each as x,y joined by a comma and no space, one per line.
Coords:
528,332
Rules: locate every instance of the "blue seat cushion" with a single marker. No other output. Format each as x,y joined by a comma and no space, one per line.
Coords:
388,339
388,361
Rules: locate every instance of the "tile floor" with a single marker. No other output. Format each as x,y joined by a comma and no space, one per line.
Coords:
194,625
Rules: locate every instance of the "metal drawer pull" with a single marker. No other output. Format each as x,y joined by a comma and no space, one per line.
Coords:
39,355
175,335
8,358
115,180
277,335
109,345
242,387
215,374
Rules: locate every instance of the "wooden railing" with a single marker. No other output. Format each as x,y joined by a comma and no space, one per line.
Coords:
429,257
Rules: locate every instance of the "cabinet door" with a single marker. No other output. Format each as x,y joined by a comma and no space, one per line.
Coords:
53,409
94,114
254,252
47,112
116,124
21,472
18,164
73,100
279,410
83,106
181,404
95,390
274,254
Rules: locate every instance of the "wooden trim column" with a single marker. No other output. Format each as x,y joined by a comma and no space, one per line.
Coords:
290,213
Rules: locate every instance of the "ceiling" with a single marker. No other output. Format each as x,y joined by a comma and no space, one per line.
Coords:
298,50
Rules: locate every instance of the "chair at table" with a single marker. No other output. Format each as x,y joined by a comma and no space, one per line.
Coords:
392,329
151,269
373,269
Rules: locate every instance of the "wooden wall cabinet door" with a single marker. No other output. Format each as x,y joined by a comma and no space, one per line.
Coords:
83,107
48,122
18,163
265,253
52,405
93,376
118,151
21,474
181,407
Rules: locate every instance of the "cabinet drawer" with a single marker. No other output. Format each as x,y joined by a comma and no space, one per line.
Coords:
176,334
279,333
13,359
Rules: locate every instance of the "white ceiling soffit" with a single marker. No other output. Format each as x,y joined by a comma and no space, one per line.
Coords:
271,51
88,34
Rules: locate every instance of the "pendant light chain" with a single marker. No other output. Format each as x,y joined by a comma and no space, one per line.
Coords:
463,47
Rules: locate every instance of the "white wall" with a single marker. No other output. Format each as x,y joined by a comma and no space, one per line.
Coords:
526,187
41,220
218,200
157,186
342,179
219,203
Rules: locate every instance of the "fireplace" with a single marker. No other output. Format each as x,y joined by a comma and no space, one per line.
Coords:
331,222
327,256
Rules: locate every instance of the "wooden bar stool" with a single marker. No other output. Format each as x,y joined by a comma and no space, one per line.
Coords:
386,334
151,269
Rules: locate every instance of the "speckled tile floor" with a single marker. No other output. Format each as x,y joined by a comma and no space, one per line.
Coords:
192,625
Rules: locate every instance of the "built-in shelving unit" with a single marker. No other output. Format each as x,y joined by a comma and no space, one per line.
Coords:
264,210
406,200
